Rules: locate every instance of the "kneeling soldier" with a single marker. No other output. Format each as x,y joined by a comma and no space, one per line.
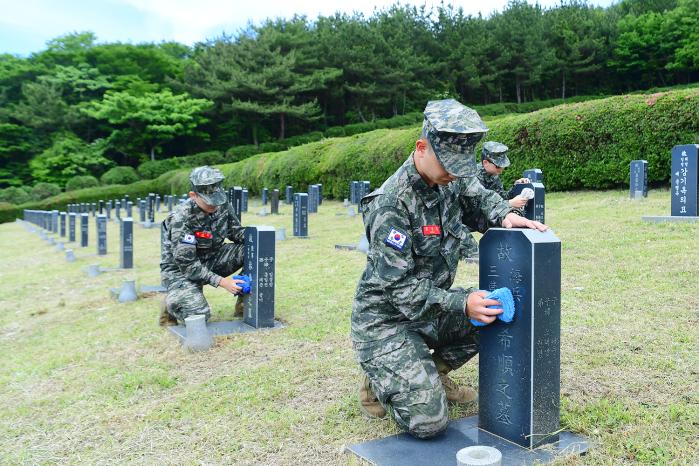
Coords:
410,328
194,253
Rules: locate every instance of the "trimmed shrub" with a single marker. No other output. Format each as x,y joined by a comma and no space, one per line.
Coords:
44,190
81,181
14,195
120,175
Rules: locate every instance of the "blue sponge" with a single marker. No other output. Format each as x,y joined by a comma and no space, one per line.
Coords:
246,285
504,295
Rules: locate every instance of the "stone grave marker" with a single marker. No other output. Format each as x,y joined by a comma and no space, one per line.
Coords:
142,210
313,198
300,214
535,208
237,201
320,193
265,193
519,369
685,181
151,208
83,230
244,200
534,174
289,195
108,208
63,224
101,223
100,207
54,221
129,209
638,179
71,227
260,265
126,243
275,201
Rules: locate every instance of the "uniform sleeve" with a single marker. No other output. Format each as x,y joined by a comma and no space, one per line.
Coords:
499,188
411,291
482,208
184,249
236,232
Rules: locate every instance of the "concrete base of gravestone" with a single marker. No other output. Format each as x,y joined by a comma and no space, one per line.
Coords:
479,455
404,449
346,247
60,246
148,224
637,195
93,270
153,289
280,234
127,293
70,256
51,241
669,218
197,338
226,327
363,245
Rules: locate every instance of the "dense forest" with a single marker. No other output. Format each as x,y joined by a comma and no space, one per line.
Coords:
80,108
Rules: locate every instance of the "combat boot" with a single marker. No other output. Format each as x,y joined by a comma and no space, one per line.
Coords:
239,307
455,392
368,403
166,319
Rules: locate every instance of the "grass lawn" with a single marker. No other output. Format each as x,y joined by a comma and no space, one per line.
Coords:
84,379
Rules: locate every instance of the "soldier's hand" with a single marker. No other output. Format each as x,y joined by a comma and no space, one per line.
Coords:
522,181
477,307
231,285
518,202
516,221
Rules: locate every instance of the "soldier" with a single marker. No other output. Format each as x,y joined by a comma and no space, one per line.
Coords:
194,253
405,306
493,161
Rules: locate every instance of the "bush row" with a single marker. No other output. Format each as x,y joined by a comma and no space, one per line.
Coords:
586,145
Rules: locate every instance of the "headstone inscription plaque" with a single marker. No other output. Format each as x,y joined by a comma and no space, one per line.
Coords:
126,243
638,173
300,214
519,368
101,224
685,180
259,265
535,208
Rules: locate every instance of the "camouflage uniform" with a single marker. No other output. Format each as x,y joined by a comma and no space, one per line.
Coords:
194,254
495,153
404,304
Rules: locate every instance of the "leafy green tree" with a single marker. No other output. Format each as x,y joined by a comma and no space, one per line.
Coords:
43,190
145,122
14,195
16,143
81,182
67,157
120,175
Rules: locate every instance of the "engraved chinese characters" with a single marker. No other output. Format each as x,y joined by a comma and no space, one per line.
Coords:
535,208
519,371
259,264
685,179
638,185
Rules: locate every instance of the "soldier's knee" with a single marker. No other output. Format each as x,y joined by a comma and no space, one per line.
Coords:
423,413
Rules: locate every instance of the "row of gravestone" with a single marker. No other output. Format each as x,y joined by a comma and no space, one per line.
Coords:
684,178
147,207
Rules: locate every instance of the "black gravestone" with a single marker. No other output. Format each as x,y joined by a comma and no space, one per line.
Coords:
117,210
638,175
63,223
108,208
259,265
54,221
519,368
289,195
685,180
237,201
151,207
320,193
265,192
142,210
83,230
126,246
170,200
100,203
244,200
101,223
300,214
534,175
275,201
535,208
71,227
93,208
157,202
312,198
129,208
354,185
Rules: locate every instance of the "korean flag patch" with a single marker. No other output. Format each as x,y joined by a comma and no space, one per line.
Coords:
396,239
189,239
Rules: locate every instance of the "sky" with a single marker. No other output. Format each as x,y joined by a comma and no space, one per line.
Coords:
26,25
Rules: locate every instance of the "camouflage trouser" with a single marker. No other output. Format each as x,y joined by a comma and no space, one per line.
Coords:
186,298
404,377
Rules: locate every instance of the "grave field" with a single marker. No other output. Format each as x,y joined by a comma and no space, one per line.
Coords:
84,379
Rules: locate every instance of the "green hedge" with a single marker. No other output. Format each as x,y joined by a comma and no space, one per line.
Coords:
587,145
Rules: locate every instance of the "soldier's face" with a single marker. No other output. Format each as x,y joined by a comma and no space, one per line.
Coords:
209,209
491,168
429,166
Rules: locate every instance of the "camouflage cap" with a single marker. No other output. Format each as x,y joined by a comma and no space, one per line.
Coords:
496,153
453,131
206,182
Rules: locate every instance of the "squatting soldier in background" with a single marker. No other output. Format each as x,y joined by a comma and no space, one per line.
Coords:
493,161
194,253
404,304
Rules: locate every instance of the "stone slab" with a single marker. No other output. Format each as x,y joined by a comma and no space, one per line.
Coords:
669,218
226,327
152,289
348,247
402,449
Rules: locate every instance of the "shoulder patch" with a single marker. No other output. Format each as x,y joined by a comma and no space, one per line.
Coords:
189,239
396,239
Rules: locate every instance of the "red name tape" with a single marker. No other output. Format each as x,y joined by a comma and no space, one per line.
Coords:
429,230
203,234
